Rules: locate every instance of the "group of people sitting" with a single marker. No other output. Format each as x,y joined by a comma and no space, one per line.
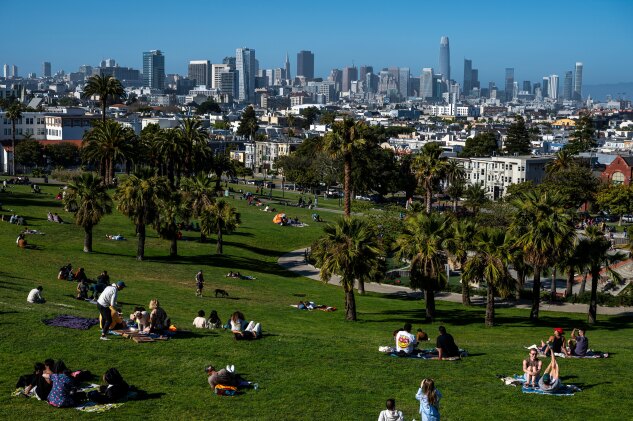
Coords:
213,322
54,217
406,342
153,321
16,219
237,275
53,382
241,329
577,346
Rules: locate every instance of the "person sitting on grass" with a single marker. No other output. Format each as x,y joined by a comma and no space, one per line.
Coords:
200,322
21,242
532,368
141,317
57,218
555,343
405,341
222,377
429,398
49,217
82,290
114,390
35,296
252,331
63,385
117,320
80,275
421,336
158,320
445,344
214,321
550,381
391,413
41,385
578,344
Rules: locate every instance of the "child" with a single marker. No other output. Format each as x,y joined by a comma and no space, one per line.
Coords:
429,398
214,321
391,414
200,322
199,283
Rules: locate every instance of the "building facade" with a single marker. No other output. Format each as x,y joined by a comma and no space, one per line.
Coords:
246,69
619,171
445,59
153,69
305,64
200,70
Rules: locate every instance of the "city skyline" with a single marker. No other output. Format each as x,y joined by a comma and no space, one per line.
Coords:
524,42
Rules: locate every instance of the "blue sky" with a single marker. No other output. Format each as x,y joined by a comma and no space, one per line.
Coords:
537,38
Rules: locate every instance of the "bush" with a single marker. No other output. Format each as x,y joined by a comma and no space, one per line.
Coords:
604,299
64,175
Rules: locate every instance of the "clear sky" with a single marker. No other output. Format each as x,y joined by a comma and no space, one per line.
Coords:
537,38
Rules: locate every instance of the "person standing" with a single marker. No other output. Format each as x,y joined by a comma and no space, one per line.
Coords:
199,283
106,301
429,398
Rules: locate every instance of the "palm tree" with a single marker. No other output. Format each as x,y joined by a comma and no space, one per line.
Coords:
455,179
222,164
192,135
563,160
540,228
599,247
475,195
575,259
351,250
218,218
200,194
458,245
108,143
105,87
172,208
429,167
87,197
344,139
14,113
490,264
423,244
140,196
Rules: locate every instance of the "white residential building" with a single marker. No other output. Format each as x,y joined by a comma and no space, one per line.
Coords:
267,152
31,123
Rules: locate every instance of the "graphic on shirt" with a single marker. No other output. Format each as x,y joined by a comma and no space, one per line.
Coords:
403,342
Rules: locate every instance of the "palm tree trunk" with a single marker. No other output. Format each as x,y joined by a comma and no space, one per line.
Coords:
103,109
140,251
593,302
350,305
13,147
347,184
361,286
553,287
570,282
490,306
219,244
520,283
429,298
454,205
110,170
536,294
429,199
88,239
583,283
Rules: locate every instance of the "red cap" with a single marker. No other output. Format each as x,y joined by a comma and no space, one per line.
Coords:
559,330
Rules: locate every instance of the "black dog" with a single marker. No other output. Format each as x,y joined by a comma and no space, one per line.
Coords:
221,293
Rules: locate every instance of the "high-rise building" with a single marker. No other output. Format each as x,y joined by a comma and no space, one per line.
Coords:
246,69
578,82
567,85
545,87
553,87
509,87
287,68
527,86
14,70
46,69
6,71
223,78
200,71
404,82
468,76
305,64
336,76
474,79
426,83
230,61
445,59
349,74
363,70
153,69
86,69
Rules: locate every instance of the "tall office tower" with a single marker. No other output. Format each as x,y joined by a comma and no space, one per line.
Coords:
474,79
46,69
445,59
404,82
515,91
246,68
287,68
553,87
14,70
200,70
6,71
86,69
350,74
545,87
426,83
336,76
509,83
439,86
230,61
468,76
364,69
567,85
223,78
534,86
371,81
527,86
109,62
153,69
578,82
305,64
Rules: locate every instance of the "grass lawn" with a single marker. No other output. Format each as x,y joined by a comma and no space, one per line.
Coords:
309,365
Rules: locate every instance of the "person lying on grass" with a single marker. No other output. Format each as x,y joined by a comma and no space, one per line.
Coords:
532,368
550,381
252,331
224,377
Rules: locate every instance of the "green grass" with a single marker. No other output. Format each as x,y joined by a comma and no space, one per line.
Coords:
309,365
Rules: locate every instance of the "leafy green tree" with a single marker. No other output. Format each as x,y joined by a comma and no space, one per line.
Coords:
140,197
482,144
458,244
374,169
518,190
349,249
29,152
455,181
219,218
327,117
14,113
563,160
582,139
423,243
518,138
221,125
105,87
490,264
429,167
406,177
248,123
68,101
169,147
63,154
616,199
172,208
107,144
310,115
87,197
208,106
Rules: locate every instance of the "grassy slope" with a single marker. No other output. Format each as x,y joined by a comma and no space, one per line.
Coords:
310,365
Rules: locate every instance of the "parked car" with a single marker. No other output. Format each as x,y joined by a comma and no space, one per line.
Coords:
627,218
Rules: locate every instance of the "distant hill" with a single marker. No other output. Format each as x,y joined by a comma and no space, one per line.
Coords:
616,90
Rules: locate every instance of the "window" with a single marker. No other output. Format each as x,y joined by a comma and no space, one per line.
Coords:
617,178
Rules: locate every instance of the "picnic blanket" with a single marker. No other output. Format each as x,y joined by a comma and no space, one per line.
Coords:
517,380
590,353
425,354
311,306
71,322
88,406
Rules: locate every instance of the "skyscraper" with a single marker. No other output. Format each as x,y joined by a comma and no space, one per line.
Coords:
46,69
305,64
6,71
349,74
553,87
509,88
545,87
287,68
246,68
200,71
426,83
468,76
527,86
445,59
404,82
153,69
336,76
567,85
578,82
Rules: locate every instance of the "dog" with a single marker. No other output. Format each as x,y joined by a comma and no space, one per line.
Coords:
222,293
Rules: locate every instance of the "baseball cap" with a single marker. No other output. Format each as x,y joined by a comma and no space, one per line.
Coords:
120,284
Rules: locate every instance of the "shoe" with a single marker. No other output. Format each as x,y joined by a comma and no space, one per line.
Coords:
104,338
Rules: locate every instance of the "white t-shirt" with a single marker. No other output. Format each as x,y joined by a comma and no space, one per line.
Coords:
200,323
388,415
34,295
108,296
405,341
236,327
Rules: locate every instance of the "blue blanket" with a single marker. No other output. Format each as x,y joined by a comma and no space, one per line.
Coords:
564,390
71,322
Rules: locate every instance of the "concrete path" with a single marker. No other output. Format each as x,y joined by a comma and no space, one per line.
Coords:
295,262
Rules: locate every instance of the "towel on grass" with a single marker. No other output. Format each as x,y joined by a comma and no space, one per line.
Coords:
88,406
426,354
71,322
564,390
590,353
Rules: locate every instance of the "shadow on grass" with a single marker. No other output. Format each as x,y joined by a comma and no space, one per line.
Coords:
255,249
145,396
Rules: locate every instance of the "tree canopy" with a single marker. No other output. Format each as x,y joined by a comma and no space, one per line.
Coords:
482,144
518,140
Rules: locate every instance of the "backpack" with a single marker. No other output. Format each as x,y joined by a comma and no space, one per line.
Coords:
223,390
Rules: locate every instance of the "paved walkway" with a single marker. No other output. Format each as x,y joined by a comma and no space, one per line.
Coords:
295,262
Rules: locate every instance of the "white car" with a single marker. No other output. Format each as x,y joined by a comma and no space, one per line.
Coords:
627,218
